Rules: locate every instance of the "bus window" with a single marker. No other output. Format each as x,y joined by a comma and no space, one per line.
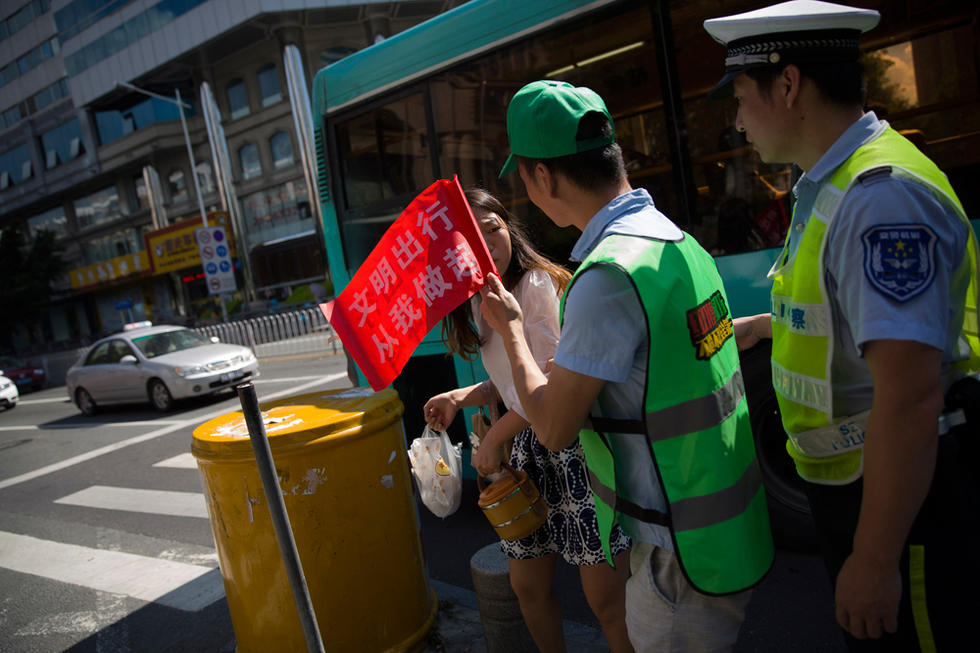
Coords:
613,54
742,203
384,161
927,88
384,153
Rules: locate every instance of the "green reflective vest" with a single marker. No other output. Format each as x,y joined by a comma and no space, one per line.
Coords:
825,448
695,419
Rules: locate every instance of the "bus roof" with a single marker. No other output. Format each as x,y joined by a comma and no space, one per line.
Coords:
437,43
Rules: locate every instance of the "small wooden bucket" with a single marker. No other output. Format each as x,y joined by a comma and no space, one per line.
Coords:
512,504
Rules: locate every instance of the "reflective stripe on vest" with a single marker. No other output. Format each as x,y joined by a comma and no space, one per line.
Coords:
696,414
802,323
695,419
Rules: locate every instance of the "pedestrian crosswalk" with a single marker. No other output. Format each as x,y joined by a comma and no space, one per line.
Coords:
162,580
115,551
173,584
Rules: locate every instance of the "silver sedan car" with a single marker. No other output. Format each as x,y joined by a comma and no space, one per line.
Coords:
157,363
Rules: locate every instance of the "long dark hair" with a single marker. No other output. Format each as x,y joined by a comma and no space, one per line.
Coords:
458,330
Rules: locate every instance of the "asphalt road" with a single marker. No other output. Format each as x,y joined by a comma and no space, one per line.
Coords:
95,509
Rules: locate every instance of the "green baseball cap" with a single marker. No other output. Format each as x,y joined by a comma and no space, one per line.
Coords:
542,121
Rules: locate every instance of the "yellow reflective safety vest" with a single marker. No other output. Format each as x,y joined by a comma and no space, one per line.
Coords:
828,449
695,419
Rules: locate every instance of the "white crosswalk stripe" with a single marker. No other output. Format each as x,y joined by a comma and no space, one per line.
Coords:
183,461
174,584
154,502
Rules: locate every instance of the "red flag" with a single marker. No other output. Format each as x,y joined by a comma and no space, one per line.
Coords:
429,261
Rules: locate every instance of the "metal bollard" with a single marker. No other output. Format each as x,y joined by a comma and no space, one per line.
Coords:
280,519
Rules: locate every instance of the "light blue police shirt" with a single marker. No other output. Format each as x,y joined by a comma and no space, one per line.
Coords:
604,335
862,309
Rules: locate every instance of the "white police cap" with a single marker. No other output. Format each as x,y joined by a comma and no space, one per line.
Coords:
800,31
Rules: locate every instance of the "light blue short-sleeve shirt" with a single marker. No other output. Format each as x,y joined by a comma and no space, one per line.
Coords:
604,335
928,309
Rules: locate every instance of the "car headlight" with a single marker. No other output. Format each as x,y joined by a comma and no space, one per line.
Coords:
246,357
39,371
188,371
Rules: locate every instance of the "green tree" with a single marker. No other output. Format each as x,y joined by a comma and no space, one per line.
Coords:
27,272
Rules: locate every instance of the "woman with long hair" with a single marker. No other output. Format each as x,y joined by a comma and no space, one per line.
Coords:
570,529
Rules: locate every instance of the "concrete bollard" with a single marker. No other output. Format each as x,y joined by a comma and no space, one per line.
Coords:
503,624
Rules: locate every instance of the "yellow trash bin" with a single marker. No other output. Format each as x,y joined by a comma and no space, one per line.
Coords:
343,470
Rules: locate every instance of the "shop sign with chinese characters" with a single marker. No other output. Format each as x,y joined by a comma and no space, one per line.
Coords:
428,262
120,267
174,248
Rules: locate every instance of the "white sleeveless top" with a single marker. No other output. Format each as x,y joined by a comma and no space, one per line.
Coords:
538,298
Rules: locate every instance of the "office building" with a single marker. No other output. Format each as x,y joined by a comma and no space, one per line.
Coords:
92,147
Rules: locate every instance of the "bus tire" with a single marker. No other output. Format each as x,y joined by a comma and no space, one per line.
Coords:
789,510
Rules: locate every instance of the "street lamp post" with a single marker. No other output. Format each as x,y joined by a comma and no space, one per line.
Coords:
190,157
187,141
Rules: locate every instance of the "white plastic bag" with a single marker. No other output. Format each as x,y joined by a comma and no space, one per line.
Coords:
437,464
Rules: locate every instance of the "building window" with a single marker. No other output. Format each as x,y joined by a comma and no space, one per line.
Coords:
282,150
12,116
53,220
120,243
237,99
177,186
30,60
23,17
100,207
15,166
205,176
276,213
62,144
248,155
46,96
114,124
269,85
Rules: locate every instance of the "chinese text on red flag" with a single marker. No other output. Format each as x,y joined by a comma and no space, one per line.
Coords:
428,262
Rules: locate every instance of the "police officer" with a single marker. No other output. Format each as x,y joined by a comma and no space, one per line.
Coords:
874,318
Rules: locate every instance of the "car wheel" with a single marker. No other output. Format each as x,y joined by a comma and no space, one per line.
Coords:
789,509
85,402
160,397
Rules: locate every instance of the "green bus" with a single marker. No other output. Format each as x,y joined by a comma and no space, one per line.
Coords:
431,102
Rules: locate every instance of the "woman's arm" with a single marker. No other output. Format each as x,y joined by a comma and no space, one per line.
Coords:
490,454
440,410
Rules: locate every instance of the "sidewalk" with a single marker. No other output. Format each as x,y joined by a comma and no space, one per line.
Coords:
458,627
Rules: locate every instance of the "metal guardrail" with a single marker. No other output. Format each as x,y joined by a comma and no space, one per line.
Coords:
301,331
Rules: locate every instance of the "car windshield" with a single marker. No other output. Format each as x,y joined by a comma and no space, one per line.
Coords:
159,344
11,363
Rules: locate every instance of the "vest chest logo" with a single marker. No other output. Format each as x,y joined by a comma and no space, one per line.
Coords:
899,260
710,326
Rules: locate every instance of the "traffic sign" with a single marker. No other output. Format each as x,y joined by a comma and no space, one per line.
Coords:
219,270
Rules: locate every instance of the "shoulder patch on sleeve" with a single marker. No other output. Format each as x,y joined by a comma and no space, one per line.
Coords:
899,259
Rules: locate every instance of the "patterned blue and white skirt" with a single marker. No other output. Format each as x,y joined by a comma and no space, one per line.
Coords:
571,528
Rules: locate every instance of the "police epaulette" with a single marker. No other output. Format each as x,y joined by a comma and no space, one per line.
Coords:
874,172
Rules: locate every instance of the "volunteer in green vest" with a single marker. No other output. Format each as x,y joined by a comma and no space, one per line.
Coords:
873,325
646,374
